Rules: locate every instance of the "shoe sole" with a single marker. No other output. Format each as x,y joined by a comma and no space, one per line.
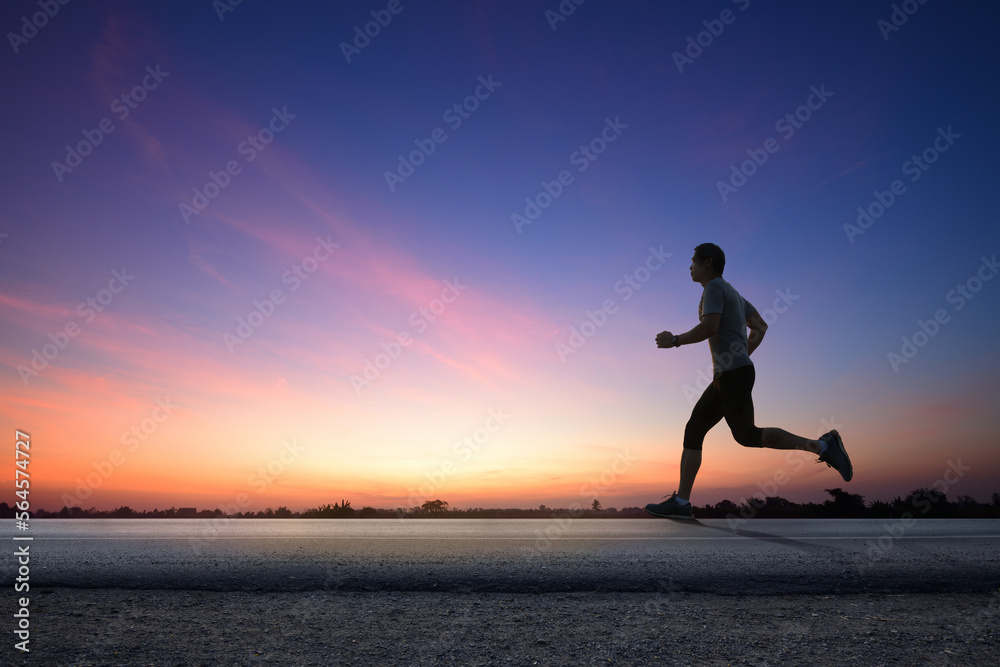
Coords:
669,516
840,447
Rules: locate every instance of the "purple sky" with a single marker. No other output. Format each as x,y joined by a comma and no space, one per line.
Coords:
358,266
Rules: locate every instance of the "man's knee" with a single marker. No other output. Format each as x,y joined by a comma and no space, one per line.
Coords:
749,436
694,436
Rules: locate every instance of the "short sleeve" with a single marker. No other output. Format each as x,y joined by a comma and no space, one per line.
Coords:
713,298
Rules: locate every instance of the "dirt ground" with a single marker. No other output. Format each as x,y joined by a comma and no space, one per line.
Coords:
135,627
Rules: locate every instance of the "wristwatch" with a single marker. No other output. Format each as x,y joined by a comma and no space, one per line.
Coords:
673,342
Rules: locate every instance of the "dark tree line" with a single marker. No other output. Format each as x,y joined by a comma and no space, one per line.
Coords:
919,503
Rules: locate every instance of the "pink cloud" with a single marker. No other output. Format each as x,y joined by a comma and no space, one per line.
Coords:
32,311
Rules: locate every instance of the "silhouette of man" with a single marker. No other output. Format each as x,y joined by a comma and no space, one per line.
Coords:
724,318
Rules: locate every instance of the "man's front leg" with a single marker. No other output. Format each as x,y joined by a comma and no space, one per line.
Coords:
690,463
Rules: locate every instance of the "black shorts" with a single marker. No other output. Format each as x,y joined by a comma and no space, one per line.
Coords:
728,396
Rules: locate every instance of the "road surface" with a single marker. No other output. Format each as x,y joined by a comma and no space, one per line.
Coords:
759,557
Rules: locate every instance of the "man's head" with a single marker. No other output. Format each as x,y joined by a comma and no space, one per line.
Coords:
708,262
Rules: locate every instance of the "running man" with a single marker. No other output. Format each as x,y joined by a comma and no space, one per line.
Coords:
724,317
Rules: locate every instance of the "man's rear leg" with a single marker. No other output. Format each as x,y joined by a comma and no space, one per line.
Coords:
829,448
776,438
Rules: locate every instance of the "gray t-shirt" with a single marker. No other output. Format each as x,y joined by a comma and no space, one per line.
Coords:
729,344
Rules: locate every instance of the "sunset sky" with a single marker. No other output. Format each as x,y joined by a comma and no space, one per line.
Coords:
260,257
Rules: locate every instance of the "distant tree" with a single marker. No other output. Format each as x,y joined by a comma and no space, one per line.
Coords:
996,499
966,503
767,507
335,511
880,509
368,512
777,507
596,505
924,502
751,506
844,504
344,509
282,513
435,506
726,505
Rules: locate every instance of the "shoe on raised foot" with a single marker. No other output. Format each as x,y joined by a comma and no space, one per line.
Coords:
670,509
836,456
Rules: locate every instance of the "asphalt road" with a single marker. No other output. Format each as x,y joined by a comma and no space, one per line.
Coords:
541,555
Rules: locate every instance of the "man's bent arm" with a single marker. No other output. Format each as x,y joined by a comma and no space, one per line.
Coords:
758,327
704,330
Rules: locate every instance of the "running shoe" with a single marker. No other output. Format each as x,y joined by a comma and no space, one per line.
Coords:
836,456
670,509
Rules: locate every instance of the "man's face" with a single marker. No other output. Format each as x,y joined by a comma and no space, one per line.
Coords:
698,270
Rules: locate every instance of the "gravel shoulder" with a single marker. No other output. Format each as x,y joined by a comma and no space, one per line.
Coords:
72,626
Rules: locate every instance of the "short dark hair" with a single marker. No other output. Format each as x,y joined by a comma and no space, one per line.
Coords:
713,252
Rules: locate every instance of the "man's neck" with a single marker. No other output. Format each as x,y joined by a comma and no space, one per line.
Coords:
710,279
